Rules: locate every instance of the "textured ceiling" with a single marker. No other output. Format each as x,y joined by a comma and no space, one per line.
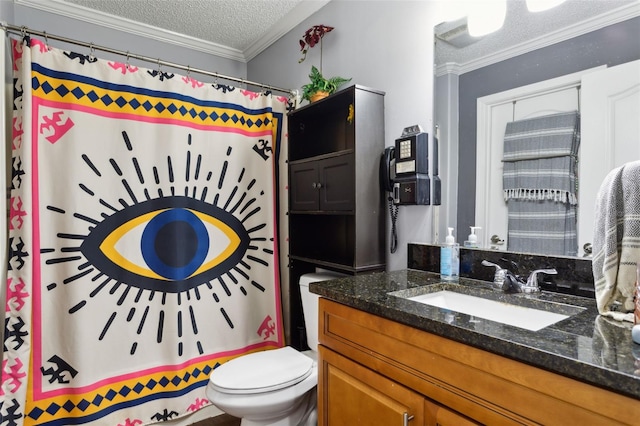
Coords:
231,23
243,28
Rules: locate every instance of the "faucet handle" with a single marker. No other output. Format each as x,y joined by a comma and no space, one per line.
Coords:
532,281
498,278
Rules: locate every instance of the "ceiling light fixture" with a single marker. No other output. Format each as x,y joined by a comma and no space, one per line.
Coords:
486,17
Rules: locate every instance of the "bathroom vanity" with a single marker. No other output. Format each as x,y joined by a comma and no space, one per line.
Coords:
387,359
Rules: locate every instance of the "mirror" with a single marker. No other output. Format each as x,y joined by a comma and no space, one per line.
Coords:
528,49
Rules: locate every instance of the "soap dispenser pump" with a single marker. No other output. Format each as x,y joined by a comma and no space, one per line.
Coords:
472,239
449,258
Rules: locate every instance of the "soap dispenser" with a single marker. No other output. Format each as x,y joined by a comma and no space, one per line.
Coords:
472,239
449,258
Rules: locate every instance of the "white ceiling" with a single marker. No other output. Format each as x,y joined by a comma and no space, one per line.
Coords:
234,29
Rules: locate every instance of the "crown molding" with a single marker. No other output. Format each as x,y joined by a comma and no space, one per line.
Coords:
299,13
106,20
615,16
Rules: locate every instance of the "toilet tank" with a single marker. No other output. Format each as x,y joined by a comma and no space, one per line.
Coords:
310,304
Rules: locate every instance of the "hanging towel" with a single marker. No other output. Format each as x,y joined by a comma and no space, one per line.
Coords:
540,181
540,158
616,242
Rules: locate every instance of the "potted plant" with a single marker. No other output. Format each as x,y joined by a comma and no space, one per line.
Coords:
319,86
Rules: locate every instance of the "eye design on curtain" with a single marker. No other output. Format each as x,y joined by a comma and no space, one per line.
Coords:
167,244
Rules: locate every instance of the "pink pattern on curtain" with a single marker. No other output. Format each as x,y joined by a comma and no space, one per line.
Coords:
143,242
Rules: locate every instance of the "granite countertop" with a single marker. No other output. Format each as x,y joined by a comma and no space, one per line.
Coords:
585,346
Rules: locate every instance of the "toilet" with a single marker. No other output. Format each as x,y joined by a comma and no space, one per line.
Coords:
274,387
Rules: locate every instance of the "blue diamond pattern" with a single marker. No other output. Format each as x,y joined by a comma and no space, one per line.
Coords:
111,394
97,400
249,122
121,101
53,409
192,113
134,104
176,380
138,388
196,373
183,110
69,406
62,90
214,116
259,123
164,381
186,376
36,413
225,117
172,108
106,99
202,115
234,118
159,107
77,92
46,87
151,384
93,96
84,404
242,120
126,390
147,105
35,83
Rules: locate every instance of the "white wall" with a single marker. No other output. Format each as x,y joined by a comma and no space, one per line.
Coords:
386,45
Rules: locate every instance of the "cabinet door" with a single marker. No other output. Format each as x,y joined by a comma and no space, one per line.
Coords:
350,394
337,180
303,186
437,415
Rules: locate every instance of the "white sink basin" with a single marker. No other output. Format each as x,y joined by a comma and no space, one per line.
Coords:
492,310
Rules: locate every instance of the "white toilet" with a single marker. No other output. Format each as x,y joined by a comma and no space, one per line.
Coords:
274,387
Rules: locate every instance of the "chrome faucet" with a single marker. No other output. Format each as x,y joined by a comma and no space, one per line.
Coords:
509,282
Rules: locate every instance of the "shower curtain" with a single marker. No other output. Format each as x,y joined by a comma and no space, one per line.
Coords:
143,243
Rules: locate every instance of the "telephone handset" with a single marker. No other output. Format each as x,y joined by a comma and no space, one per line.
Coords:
387,165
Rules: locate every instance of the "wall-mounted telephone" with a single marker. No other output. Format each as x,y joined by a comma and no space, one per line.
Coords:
404,172
404,169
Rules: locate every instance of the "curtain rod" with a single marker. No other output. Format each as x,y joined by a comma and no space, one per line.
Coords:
24,30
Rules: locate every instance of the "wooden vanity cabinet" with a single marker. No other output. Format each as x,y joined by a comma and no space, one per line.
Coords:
371,368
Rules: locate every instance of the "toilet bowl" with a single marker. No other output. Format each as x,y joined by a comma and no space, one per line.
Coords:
274,387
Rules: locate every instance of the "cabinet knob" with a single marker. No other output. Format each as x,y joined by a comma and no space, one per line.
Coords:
316,185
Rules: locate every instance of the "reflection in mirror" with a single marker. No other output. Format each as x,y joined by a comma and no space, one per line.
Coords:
478,80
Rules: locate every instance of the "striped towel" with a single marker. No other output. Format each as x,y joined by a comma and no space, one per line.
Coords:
539,183
616,241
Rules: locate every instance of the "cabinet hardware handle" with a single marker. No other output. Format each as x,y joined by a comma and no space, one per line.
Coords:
319,185
406,418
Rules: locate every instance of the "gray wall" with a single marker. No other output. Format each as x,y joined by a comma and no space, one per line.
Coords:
612,45
386,45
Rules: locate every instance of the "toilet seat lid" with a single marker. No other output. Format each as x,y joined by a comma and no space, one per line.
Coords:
264,371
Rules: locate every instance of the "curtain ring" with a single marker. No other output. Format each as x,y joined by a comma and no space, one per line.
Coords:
159,65
23,34
188,70
215,80
91,51
127,61
46,40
